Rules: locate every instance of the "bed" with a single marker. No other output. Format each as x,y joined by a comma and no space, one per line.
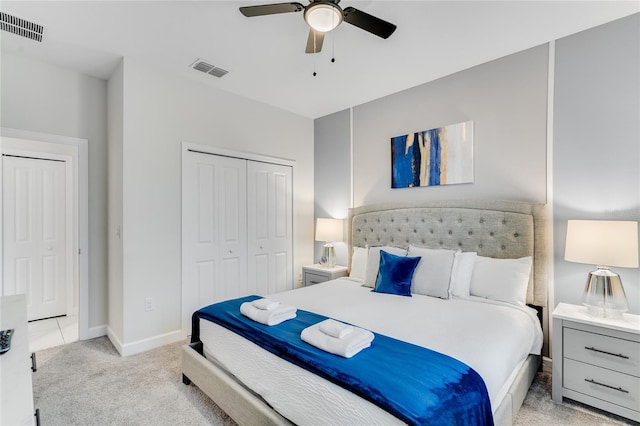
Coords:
239,379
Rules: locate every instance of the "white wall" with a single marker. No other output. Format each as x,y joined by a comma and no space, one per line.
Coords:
115,119
41,98
160,112
507,101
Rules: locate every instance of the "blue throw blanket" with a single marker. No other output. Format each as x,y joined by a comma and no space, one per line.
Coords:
415,384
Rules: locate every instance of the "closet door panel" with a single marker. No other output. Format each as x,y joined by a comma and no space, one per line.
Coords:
270,226
214,260
232,212
282,271
260,274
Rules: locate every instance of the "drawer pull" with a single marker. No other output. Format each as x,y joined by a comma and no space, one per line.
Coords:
619,389
315,282
605,352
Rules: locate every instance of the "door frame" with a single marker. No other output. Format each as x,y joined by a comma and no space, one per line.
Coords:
186,147
75,152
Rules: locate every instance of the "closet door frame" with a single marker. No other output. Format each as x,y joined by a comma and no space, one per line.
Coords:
187,148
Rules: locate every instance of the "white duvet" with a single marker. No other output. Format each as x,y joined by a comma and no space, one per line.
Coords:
492,338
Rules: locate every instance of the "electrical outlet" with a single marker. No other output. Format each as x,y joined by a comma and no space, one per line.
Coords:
149,304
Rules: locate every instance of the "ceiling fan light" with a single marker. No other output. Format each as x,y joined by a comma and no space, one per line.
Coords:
323,17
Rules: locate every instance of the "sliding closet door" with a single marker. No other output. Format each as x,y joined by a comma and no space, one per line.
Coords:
214,232
270,227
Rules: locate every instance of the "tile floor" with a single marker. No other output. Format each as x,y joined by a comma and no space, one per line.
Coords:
52,332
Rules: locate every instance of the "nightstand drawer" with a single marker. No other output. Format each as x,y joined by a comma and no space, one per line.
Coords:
310,278
603,351
611,386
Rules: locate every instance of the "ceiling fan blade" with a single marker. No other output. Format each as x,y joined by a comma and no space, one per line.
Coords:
368,22
271,9
314,41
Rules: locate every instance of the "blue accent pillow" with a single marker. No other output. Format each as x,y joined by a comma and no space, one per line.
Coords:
395,273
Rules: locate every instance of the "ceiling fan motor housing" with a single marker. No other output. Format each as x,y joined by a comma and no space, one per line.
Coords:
323,16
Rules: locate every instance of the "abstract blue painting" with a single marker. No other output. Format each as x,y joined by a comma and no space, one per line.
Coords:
441,156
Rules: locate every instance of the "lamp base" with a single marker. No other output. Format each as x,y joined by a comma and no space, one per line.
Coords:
604,295
599,312
327,258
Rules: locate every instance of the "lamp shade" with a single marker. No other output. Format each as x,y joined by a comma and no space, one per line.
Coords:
602,242
328,229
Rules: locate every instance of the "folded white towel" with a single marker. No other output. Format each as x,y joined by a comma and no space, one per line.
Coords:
265,304
335,328
347,347
268,317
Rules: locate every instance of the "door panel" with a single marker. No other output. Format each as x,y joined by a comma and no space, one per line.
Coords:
213,232
270,226
260,282
34,234
282,271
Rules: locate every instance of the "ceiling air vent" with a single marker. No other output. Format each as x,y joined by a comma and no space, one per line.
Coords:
20,27
207,68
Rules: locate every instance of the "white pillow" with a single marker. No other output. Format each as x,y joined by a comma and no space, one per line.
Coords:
373,262
461,273
358,263
505,280
433,273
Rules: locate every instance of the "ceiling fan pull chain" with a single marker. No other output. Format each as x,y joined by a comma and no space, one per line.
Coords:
333,49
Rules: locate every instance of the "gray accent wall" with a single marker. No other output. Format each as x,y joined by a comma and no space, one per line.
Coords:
596,142
332,177
595,169
505,98
507,101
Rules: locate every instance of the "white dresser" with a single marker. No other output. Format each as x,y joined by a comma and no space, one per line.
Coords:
597,360
16,393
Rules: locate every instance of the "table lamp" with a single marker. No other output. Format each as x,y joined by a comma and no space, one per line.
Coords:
329,231
603,243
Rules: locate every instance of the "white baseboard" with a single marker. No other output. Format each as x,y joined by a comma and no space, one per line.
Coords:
114,340
126,349
98,331
546,364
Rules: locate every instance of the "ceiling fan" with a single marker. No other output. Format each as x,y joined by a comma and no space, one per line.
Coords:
323,16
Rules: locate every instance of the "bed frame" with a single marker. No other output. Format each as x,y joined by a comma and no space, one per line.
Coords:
502,229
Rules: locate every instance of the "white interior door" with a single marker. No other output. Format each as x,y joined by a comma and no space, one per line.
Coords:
35,234
270,227
214,233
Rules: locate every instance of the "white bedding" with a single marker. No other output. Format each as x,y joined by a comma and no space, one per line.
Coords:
493,338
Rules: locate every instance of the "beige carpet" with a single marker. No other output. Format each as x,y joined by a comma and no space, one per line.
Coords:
88,383
539,409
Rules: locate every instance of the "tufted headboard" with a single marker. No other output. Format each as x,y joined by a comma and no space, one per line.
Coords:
501,229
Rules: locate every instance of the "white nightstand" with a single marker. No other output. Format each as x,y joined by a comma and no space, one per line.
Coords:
315,274
597,360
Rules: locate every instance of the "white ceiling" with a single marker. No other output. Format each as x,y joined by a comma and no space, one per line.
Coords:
265,55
